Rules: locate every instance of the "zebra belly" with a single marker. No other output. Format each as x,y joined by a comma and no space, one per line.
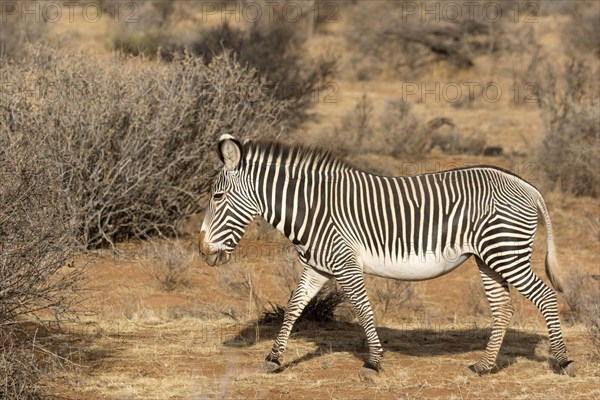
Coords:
414,267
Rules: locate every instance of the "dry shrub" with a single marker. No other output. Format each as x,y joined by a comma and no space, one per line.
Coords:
477,300
20,370
583,32
321,308
133,140
571,116
290,274
403,133
276,49
398,132
18,30
38,279
391,296
145,26
36,234
593,327
241,281
583,297
167,263
391,41
355,127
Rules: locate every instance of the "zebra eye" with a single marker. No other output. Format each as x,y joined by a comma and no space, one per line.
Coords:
218,196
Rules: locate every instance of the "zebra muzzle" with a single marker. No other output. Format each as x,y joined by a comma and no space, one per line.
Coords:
217,258
210,254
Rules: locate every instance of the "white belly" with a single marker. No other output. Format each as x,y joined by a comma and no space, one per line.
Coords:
413,267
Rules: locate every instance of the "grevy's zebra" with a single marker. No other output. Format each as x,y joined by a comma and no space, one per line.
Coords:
345,222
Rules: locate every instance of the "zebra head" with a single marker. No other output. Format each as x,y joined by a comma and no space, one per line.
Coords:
231,207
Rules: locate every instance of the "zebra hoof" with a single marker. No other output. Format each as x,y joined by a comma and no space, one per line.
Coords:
368,372
569,368
272,365
475,369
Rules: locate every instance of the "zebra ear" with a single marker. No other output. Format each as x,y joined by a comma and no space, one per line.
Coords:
230,151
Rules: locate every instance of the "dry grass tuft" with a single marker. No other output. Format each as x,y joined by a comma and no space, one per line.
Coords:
167,263
240,280
393,298
582,295
321,308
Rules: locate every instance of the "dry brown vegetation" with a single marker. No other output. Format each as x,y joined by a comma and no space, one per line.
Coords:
134,141
106,151
37,244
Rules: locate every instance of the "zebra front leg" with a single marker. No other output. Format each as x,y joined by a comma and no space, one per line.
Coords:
310,283
351,280
498,295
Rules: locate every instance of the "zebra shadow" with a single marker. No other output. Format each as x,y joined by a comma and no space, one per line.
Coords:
348,337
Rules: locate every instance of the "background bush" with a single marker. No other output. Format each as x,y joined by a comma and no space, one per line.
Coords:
134,142
388,40
570,109
276,50
16,33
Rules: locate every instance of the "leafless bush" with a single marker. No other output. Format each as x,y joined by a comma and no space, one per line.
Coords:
151,30
356,126
134,141
403,133
276,49
20,371
16,30
581,293
38,277
390,41
571,116
392,296
167,263
398,132
36,237
593,327
583,32
477,301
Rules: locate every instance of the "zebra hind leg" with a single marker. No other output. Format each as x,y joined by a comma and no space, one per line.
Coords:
523,279
498,295
310,283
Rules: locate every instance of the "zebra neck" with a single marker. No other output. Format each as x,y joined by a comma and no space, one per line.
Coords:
292,198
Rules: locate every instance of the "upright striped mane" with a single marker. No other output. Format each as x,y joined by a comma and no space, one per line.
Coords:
298,152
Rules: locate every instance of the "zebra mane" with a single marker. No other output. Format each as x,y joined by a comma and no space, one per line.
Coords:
296,152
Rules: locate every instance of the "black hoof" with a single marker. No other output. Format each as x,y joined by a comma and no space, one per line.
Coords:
368,372
272,364
480,371
568,368
372,366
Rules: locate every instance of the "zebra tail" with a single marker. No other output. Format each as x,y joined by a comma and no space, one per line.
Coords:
552,265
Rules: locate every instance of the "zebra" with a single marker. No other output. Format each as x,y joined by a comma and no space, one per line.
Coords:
345,222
